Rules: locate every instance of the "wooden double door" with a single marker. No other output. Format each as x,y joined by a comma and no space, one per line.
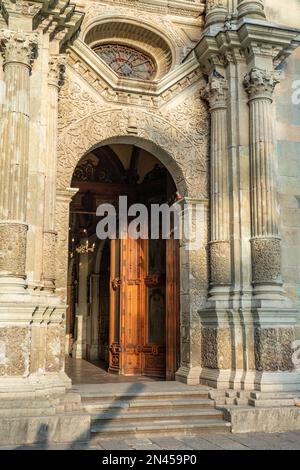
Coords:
144,308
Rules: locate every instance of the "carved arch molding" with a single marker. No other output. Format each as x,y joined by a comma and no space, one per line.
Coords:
171,144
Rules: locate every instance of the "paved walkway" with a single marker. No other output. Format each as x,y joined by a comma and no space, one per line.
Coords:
256,441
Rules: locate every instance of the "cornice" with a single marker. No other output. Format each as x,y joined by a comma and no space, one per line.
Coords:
186,8
245,39
114,88
57,17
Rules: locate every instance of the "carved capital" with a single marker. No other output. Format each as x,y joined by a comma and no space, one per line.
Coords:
216,92
260,83
57,67
18,47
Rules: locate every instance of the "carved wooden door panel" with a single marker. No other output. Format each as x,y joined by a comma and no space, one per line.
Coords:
144,308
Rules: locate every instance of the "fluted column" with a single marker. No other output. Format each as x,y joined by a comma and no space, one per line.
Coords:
265,242
251,9
17,49
56,69
220,259
216,12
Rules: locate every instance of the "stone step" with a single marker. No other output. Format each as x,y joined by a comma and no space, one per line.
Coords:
30,404
26,412
274,395
271,403
167,395
139,405
160,416
167,428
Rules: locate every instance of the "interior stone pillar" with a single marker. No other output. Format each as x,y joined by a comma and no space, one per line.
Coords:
17,49
56,69
220,258
193,287
265,241
251,9
94,351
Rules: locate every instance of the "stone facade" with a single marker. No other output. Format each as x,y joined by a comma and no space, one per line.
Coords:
211,116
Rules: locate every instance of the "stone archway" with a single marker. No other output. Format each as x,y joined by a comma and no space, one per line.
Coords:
186,163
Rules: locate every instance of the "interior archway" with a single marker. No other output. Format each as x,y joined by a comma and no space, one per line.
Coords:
123,293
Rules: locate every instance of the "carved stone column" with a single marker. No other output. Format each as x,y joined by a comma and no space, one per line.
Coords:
56,69
251,8
193,287
17,49
220,259
265,242
216,12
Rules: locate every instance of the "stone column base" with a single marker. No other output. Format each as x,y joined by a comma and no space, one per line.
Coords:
188,375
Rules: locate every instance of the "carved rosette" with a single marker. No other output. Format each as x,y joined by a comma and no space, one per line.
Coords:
220,263
273,349
18,47
260,84
49,252
13,248
57,67
266,260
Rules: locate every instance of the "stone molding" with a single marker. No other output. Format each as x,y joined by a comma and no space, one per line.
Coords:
251,9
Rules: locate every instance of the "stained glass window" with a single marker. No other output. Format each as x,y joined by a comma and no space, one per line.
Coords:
126,61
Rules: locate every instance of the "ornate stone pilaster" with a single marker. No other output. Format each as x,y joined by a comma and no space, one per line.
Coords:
220,259
193,288
216,12
55,79
265,242
63,199
18,50
251,9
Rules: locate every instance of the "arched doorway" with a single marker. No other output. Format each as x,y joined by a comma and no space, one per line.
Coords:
123,292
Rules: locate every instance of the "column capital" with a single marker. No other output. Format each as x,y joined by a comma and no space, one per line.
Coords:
18,47
260,83
57,66
216,91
